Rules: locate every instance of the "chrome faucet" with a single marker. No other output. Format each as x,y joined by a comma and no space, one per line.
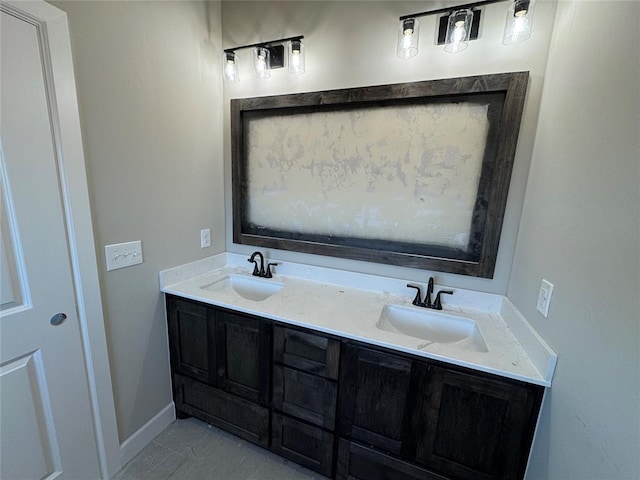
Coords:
437,304
260,272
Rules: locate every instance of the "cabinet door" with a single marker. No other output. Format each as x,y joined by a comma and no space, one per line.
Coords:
374,394
243,355
191,331
473,427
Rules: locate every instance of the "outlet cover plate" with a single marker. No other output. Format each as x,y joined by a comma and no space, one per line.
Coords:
544,297
205,238
120,255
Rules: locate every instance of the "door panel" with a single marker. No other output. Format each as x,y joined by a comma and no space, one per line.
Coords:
374,397
476,428
35,245
26,408
192,329
242,356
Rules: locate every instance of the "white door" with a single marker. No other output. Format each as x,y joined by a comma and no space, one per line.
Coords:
46,424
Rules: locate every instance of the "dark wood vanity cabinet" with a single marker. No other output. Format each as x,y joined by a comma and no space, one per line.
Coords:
431,421
343,408
220,362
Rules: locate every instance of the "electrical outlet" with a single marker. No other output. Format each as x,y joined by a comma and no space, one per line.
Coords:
205,238
120,255
544,298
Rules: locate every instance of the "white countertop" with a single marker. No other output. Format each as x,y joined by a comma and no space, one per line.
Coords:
328,300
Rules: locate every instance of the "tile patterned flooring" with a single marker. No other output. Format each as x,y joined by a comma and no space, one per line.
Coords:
193,450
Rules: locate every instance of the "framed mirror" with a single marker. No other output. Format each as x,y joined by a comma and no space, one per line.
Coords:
413,174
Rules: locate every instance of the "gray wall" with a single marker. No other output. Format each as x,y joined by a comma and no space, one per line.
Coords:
352,44
149,91
580,230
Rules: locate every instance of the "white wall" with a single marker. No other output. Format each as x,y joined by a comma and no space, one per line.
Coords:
580,230
149,92
351,44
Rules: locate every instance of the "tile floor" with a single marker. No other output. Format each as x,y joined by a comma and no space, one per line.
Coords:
193,450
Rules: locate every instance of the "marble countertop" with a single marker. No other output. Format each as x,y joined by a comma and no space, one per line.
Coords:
329,301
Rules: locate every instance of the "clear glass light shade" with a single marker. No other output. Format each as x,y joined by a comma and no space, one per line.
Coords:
296,57
230,66
458,31
408,31
517,28
261,62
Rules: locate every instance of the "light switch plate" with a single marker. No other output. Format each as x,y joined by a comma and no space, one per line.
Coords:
544,297
120,255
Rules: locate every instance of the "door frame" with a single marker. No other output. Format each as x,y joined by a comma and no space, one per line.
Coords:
60,86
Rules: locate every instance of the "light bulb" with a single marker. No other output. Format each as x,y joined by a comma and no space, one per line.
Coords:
296,57
262,63
407,38
458,31
517,28
230,67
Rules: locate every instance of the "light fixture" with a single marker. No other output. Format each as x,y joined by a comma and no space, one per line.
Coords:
458,31
408,31
461,23
262,62
517,28
230,66
296,57
266,57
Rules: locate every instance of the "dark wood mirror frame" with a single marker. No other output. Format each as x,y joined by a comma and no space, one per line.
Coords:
505,96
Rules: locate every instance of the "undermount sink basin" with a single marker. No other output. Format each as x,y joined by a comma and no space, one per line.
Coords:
250,288
432,326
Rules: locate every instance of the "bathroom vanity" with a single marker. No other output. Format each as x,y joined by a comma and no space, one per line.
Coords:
309,369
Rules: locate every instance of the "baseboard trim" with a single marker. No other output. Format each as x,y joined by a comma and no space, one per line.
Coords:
150,430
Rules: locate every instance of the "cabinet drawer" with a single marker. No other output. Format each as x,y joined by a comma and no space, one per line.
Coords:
356,462
305,396
236,415
307,351
304,444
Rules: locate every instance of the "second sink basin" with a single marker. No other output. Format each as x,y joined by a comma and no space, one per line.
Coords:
250,288
432,326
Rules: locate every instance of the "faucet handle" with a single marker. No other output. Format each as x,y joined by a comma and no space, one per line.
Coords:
417,301
268,273
437,304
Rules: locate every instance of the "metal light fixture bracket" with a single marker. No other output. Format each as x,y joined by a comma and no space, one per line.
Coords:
277,55
475,27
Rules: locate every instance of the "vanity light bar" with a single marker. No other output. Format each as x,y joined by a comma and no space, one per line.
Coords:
461,24
266,56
